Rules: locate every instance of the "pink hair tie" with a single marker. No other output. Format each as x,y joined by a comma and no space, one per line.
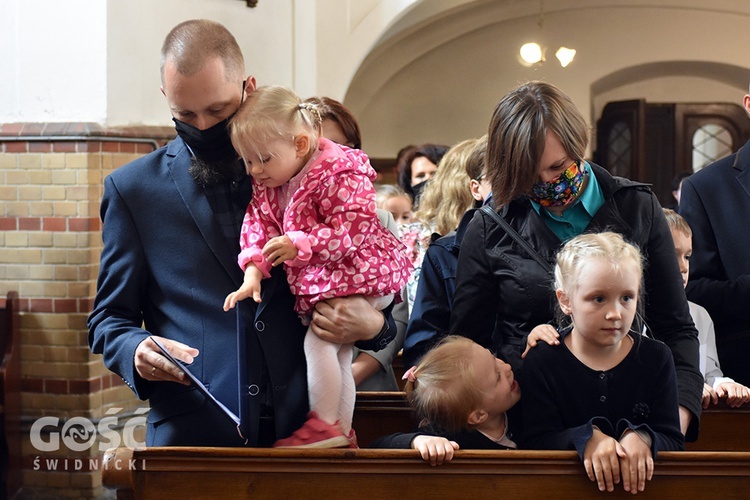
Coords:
410,375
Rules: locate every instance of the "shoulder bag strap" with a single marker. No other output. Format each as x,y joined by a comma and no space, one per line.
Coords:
517,237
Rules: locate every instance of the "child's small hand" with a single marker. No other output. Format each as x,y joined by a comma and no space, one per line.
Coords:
636,464
709,396
250,288
601,460
434,449
546,333
736,394
279,250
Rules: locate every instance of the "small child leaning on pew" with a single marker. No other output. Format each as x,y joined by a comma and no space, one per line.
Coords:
462,392
716,386
606,391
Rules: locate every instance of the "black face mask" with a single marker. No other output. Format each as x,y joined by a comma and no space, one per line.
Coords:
210,145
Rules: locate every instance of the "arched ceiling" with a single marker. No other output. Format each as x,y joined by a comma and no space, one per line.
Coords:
438,68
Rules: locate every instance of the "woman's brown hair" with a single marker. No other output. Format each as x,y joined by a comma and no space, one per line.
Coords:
518,134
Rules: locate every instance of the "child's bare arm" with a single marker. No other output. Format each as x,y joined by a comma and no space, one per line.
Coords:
250,288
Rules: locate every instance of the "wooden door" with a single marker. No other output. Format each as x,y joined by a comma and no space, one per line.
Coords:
654,142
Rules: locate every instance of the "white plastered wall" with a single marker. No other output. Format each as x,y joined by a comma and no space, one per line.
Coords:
411,70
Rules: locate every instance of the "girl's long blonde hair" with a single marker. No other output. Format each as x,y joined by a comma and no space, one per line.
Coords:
447,196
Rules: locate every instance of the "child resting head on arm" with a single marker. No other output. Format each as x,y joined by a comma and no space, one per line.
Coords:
462,392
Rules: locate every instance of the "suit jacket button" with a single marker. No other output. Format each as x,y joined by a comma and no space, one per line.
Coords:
253,390
260,326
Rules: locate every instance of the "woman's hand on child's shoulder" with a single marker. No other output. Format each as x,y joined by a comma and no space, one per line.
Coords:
434,449
545,332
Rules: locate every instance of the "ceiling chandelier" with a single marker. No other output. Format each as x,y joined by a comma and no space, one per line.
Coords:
533,53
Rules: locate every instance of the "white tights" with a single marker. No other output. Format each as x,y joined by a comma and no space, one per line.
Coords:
329,375
329,380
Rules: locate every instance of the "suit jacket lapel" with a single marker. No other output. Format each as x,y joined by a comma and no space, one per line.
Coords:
742,167
267,288
200,209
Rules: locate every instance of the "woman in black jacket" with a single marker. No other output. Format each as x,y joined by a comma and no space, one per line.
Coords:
548,193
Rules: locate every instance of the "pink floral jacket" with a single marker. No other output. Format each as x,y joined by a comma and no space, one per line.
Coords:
331,219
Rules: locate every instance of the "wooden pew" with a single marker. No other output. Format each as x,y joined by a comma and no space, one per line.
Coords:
179,473
723,429
10,397
398,370
381,413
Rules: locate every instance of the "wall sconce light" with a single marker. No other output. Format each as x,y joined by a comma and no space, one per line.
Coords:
533,53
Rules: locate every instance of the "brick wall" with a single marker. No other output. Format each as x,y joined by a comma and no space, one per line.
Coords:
50,242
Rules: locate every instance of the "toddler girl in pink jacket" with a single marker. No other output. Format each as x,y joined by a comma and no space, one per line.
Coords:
313,209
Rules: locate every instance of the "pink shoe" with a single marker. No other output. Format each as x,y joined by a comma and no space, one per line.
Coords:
315,433
352,438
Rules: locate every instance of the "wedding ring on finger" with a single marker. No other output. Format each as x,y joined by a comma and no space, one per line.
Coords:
153,371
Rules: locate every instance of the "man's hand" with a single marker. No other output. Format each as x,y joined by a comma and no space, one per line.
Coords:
152,365
346,320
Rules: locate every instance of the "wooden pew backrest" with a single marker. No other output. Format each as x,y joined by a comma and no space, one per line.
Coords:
380,413
274,473
377,414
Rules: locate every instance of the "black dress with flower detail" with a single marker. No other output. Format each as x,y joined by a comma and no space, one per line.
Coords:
563,398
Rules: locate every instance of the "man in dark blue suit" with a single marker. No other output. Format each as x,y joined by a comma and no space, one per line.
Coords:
716,203
171,223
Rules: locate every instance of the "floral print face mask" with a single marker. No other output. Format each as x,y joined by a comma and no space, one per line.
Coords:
560,191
